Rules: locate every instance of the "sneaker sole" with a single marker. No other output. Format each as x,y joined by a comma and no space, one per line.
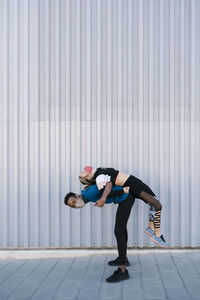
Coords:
118,280
148,233
158,243
119,265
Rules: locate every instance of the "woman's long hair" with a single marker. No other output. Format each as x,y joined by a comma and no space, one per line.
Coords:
86,182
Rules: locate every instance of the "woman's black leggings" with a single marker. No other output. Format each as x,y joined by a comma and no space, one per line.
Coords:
122,215
140,190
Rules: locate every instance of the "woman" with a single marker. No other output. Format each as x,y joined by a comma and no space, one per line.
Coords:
106,177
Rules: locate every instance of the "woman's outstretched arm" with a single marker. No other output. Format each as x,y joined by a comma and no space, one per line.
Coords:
106,192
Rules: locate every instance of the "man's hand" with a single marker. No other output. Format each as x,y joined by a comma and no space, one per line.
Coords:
126,189
100,202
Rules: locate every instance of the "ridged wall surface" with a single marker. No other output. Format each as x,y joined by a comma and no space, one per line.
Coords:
101,82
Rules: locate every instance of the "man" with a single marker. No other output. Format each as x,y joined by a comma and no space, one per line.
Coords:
125,201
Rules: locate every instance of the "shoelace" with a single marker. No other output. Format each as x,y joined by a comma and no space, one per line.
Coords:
162,237
117,271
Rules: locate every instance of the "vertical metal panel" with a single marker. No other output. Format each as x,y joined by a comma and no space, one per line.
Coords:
106,83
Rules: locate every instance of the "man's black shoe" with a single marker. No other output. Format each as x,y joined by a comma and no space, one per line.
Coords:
117,262
118,275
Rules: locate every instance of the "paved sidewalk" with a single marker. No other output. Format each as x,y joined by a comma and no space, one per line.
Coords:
168,275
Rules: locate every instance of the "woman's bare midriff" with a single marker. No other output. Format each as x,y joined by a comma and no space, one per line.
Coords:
121,179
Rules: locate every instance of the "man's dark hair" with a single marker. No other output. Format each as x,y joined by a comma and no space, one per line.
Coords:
68,196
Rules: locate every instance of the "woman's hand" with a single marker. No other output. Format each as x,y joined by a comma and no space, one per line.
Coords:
100,202
126,189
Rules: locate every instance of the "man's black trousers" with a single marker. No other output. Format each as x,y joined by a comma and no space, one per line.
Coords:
122,215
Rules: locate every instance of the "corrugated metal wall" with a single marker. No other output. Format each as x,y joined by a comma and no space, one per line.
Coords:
105,82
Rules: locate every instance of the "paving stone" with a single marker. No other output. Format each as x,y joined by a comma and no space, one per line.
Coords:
193,286
71,285
133,294
3,263
147,261
195,262
17,277
171,279
185,267
49,286
9,269
88,293
34,280
165,262
110,291
153,288
43,295
135,281
155,298
79,268
151,274
92,279
68,290
21,298
177,294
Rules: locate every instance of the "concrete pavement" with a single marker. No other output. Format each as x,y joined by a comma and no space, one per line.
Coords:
153,275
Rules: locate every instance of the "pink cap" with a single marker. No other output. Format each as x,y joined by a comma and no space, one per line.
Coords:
88,169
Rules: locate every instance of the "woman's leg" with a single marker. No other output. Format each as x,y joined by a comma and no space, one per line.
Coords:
122,215
155,211
157,237
140,190
152,212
